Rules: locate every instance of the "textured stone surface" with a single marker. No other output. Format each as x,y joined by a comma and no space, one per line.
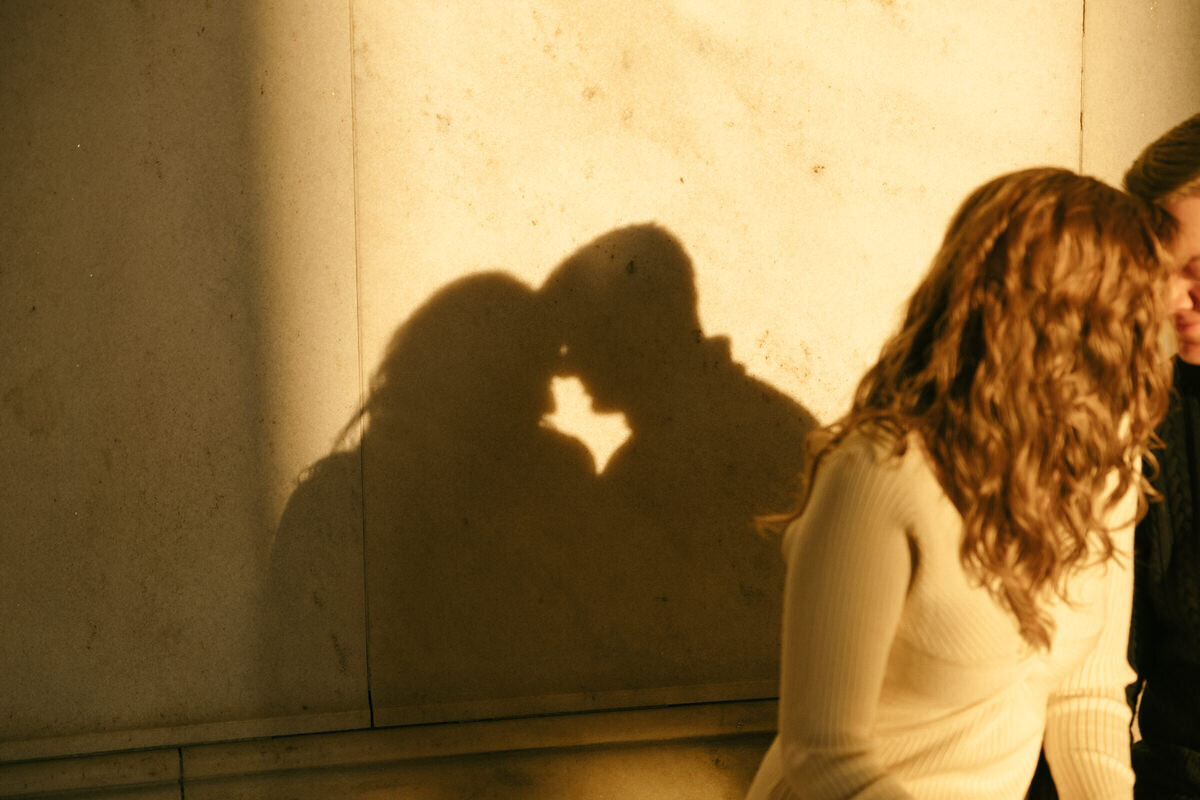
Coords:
804,157
1141,77
159,185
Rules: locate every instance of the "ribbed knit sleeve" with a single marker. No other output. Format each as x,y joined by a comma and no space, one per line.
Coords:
848,570
1087,737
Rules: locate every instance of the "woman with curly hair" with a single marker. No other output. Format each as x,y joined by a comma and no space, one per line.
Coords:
959,567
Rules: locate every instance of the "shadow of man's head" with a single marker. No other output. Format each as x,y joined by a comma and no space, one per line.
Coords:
625,308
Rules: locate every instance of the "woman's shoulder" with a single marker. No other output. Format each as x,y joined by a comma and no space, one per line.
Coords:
898,470
882,452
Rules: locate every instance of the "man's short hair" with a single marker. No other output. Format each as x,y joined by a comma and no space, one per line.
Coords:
1169,167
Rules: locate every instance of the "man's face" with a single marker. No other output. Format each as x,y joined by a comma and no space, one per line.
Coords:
1185,289
597,361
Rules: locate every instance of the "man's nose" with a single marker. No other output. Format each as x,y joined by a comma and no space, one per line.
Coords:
1183,294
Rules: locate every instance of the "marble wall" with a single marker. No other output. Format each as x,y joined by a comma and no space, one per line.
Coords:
231,227
1141,77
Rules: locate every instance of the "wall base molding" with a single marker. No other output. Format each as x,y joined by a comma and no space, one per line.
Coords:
181,765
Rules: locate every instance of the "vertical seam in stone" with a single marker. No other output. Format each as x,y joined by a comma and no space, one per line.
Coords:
1082,73
361,374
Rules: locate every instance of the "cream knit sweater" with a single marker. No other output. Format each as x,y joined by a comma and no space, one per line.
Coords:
901,678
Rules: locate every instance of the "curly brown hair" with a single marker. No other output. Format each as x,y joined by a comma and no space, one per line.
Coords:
1029,366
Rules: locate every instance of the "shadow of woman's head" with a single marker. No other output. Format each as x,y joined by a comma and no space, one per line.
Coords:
477,356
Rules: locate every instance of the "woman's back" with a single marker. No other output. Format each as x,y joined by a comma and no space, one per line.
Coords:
938,695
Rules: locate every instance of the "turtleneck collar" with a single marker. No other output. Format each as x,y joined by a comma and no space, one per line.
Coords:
1187,378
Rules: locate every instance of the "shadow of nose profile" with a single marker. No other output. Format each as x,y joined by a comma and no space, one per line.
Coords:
498,564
